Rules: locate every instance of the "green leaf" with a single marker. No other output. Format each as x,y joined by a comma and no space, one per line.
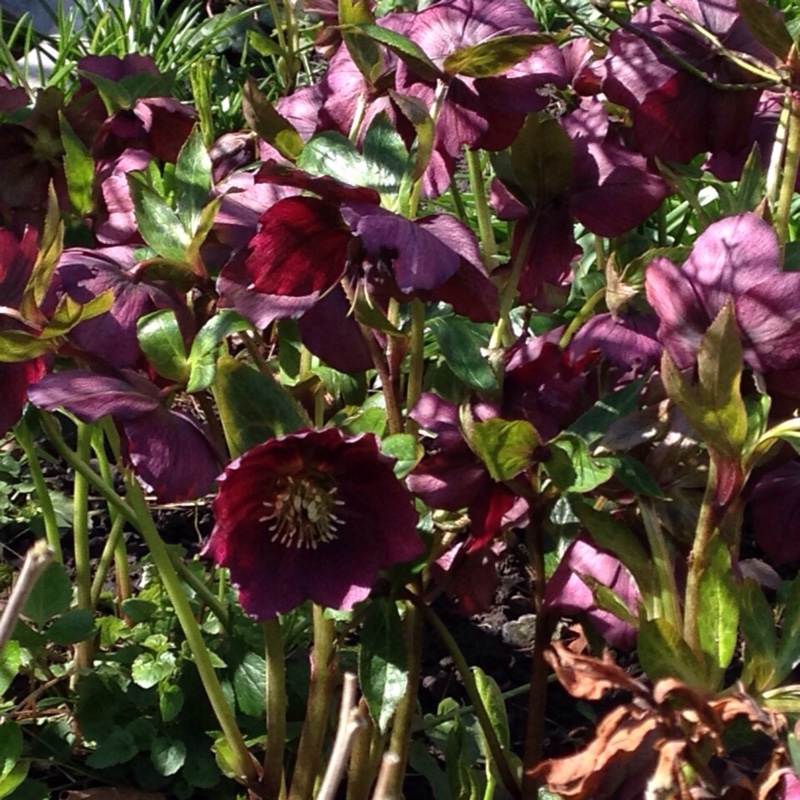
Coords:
10,746
610,534
495,706
331,154
76,625
461,349
365,53
382,672
767,26
51,595
192,179
70,313
138,610
634,475
203,355
609,600
495,55
118,747
542,158
385,155
757,623
718,611
205,223
167,755
162,342
417,114
249,682
789,647
594,423
170,701
506,448
406,50
10,661
573,468
252,406
78,169
10,782
149,669
406,449
715,407
158,223
663,653
262,117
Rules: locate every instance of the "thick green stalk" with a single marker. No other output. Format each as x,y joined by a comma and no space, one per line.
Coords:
244,764
276,709
485,229
577,321
80,540
502,331
320,692
789,174
25,440
416,367
403,724
106,557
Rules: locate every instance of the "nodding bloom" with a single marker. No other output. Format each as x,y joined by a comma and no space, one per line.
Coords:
312,515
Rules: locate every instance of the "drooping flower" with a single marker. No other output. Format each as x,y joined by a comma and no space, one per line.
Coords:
169,452
312,515
734,259
677,114
775,506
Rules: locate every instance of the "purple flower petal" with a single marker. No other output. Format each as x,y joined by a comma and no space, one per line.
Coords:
15,379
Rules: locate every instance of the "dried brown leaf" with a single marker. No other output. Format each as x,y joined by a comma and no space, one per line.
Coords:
590,678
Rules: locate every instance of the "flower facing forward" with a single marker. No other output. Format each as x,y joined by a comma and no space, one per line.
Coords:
313,515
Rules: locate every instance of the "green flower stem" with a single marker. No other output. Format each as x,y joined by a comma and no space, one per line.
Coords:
403,724
778,152
80,541
577,321
485,229
458,201
502,333
365,758
25,440
273,780
668,598
495,748
707,524
136,512
201,589
109,549
121,568
212,421
320,692
243,762
789,174
416,367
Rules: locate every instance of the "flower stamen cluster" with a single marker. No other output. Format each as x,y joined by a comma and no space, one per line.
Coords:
301,514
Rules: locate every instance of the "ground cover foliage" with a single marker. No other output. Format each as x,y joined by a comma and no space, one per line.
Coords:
417,310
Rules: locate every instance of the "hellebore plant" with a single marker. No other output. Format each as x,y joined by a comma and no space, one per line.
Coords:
470,323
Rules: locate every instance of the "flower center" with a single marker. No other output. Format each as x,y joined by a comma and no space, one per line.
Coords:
300,514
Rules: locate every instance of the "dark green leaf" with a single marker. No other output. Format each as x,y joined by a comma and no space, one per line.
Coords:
461,349
117,748
51,595
542,158
386,157
573,468
203,355
162,342
506,448
365,53
192,179
718,613
417,114
252,406
138,610
75,626
10,661
495,55
167,755
663,653
158,223
634,475
609,600
331,154
262,117
594,423
757,622
406,449
495,706
249,683
789,647
382,661
170,701
406,50
78,169
767,26
10,746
